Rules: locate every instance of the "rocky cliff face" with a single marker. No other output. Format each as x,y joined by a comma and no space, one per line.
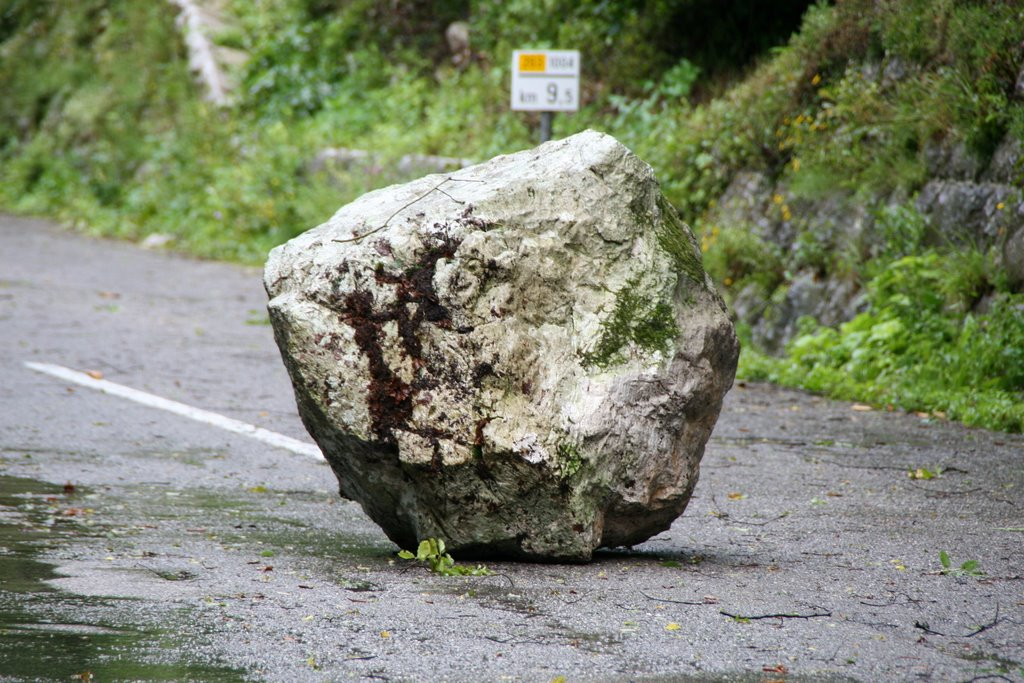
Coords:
965,201
524,357
972,201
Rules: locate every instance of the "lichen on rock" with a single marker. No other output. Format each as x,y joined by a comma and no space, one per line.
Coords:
636,322
523,357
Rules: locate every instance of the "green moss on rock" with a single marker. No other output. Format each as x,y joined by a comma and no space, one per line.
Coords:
636,321
569,459
675,238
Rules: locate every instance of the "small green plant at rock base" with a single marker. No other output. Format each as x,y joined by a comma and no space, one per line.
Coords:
431,551
924,473
968,568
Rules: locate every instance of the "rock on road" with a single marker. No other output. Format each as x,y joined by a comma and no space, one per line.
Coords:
178,550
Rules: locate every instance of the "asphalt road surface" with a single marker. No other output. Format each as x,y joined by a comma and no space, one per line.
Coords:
140,544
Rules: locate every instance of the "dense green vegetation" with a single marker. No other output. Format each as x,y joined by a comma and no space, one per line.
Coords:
917,347
102,125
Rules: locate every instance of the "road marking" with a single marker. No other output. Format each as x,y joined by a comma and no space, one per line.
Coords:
205,416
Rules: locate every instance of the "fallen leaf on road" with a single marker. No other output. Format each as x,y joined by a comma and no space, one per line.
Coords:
672,626
861,408
95,374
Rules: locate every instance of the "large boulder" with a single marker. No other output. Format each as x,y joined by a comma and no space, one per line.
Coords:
524,357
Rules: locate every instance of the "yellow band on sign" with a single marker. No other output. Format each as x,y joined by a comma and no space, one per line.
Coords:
532,63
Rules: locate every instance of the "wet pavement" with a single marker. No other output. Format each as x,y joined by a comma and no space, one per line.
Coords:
139,545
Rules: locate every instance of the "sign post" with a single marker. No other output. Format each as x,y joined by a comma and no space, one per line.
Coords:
546,81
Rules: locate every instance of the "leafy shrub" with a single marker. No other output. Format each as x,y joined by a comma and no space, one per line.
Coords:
735,256
915,348
899,231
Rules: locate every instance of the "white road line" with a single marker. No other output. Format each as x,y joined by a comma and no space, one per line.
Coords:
114,389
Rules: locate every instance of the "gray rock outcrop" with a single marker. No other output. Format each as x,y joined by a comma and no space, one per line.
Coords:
1013,259
967,200
524,357
970,213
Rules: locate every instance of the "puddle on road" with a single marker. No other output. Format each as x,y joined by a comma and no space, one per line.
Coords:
46,634
256,519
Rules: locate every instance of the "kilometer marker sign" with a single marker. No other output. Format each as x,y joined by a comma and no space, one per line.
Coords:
545,80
